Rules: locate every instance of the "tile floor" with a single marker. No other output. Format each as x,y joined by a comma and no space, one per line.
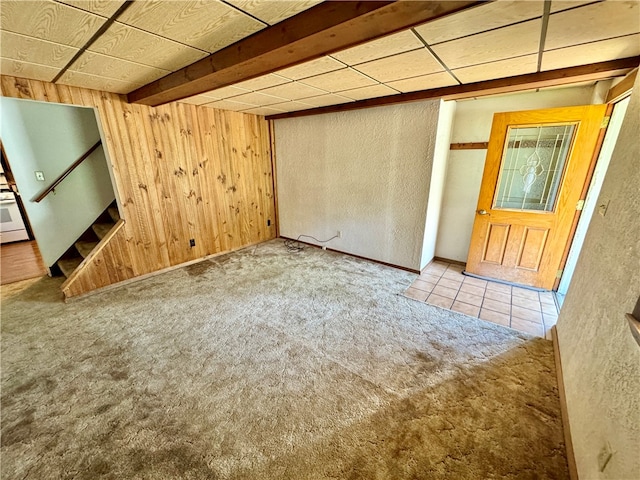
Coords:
444,285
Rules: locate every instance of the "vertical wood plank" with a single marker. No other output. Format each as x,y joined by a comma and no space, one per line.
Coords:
181,171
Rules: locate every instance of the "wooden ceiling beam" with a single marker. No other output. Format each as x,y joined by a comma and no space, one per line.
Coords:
551,78
321,30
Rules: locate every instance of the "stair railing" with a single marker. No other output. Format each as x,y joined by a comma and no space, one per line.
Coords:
66,173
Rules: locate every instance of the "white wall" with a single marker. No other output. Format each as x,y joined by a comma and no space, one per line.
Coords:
438,177
472,123
600,359
365,172
49,137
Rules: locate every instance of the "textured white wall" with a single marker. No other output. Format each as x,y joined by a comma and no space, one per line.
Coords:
364,172
472,123
600,359
49,137
437,185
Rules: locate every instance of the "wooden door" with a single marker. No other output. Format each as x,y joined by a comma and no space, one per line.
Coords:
537,164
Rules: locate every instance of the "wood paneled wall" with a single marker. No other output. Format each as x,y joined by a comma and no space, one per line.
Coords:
181,172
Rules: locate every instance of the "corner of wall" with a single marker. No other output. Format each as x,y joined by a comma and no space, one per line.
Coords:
438,175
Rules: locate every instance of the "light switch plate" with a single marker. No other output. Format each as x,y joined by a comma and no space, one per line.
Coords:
39,176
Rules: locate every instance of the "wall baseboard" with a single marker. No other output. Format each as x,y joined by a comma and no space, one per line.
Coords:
571,459
399,267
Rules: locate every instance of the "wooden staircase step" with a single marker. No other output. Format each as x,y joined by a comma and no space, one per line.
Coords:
114,213
85,248
68,265
101,229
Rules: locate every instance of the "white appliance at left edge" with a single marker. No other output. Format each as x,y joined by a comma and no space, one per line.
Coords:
12,228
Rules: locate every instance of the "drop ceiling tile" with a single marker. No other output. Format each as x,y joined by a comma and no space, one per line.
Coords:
258,99
104,8
110,67
559,5
324,100
229,105
500,44
50,21
293,91
404,65
503,68
480,19
308,69
272,12
424,82
344,79
84,80
33,50
264,111
264,81
208,25
602,51
591,23
292,106
382,47
17,68
372,91
226,92
132,44
198,100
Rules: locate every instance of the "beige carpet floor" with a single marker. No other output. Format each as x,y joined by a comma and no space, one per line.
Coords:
264,364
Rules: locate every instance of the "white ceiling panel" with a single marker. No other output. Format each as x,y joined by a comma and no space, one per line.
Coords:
372,91
258,99
129,43
309,69
383,47
602,51
598,21
503,68
17,68
273,11
104,8
209,25
230,105
34,50
485,17
324,100
263,111
114,68
291,106
424,82
338,80
95,82
50,21
293,91
404,65
500,44
264,81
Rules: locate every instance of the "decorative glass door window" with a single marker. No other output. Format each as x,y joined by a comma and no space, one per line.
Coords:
532,165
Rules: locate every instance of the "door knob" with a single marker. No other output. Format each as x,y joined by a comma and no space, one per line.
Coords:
482,212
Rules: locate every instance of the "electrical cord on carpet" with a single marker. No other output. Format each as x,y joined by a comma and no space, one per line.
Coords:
294,246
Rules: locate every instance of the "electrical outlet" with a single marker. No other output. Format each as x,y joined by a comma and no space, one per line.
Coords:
603,207
604,456
39,176
339,233
192,242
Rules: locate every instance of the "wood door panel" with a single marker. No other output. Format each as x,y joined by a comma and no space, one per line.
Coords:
538,232
531,248
495,243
